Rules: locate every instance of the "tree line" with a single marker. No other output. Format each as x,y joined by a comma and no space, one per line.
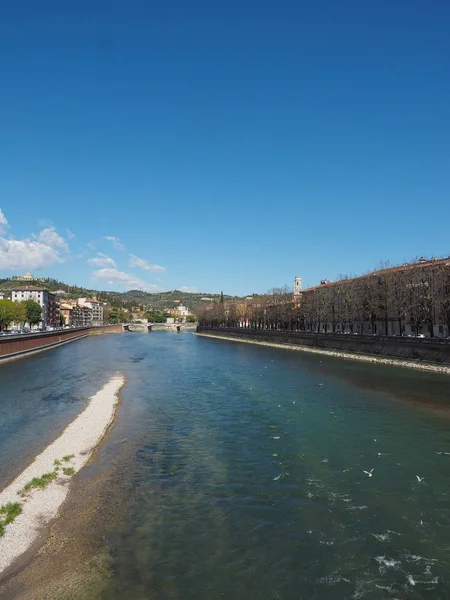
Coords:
382,302
116,314
27,311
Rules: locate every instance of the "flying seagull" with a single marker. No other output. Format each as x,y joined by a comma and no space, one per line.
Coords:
369,473
419,479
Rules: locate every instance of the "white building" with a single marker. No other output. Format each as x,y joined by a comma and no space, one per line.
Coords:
179,311
183,311
48,302
96,307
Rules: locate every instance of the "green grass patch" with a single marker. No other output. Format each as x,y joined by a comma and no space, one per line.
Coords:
39,482
68,457
68,471
8,512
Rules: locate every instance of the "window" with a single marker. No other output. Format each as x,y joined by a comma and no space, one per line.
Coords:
441,329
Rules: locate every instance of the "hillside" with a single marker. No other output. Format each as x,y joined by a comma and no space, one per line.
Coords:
52,285
132,298
168,299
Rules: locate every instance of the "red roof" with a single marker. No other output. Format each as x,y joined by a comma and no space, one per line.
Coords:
32,288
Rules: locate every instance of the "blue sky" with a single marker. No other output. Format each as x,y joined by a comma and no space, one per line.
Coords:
222,145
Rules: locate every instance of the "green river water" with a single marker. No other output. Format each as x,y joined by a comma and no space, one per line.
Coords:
245,471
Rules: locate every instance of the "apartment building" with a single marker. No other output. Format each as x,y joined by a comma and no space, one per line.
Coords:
96,308
48,302
76,315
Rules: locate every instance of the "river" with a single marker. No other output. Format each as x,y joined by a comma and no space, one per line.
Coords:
248,472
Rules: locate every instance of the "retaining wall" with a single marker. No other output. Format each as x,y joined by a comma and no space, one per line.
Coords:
418,349
17,345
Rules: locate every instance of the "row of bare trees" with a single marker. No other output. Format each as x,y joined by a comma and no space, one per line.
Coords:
414,298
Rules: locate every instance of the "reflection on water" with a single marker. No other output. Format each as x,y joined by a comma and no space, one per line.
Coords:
41,394
261,473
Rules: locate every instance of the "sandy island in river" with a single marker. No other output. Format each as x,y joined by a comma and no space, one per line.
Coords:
41,501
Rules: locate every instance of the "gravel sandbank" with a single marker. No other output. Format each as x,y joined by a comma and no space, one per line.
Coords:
70,452
397,362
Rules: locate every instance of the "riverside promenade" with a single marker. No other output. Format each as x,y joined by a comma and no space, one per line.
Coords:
430,353
16,346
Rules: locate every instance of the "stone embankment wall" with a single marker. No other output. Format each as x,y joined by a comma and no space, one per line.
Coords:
417,349
18,345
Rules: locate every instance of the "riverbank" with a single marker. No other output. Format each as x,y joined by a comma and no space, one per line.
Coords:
19,346
33,499
422,366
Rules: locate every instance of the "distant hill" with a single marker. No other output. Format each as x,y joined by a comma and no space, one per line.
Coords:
132,298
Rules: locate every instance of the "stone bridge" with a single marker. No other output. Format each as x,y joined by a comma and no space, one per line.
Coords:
161,326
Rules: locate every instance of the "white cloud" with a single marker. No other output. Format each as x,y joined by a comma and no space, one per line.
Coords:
192,289
135,261
69,234
49,237
3,222
116,277
115,242
26,255
42,251
101,260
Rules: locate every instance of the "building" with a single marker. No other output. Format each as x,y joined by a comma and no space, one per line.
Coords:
54,316
297,286
72,314
179,312
26,277
86,316
49,303
412,299
96,308
77,315
66,313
